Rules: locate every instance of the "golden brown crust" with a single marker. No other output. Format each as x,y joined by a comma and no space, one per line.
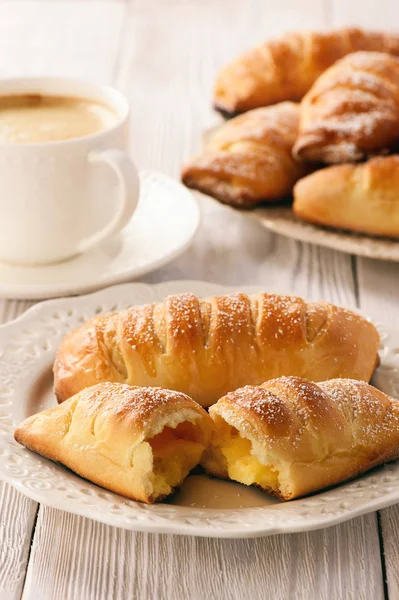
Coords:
363,198
312,436
285,68
352,110
249,159
97,432
206,348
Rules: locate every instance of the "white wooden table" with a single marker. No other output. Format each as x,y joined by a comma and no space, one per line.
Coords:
164,54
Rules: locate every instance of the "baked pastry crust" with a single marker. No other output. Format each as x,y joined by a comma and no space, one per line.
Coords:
292,437
249,159
352,110
286,67
362,198
208,347
138,442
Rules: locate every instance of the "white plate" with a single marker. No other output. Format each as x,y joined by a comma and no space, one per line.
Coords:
27,349
281,219
163,226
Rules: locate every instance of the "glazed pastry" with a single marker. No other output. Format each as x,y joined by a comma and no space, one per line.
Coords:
249,159
352,111
138,442
285,68
292,437
363,198
206,348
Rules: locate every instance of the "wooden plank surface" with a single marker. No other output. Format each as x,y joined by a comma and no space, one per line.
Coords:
164,54
17,519
73,557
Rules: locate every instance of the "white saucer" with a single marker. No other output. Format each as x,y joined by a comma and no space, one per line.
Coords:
160,230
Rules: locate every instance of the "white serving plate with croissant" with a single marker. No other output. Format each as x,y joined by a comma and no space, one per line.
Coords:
203,506
315,121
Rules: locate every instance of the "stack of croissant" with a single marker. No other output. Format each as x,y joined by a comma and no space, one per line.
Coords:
310,100
133,388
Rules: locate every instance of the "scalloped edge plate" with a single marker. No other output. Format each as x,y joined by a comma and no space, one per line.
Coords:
27,349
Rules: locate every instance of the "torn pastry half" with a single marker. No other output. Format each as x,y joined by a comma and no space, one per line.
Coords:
292,437
139,442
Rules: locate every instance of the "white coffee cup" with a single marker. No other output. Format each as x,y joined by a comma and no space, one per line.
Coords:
61,198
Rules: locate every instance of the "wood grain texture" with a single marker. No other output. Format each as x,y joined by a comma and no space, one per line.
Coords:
196,39
164,55
390,535
60,38
17,518
73,557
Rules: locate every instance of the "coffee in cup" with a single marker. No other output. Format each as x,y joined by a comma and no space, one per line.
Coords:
37,118
66,180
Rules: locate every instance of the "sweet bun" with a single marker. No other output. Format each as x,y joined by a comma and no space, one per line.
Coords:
362,198
286,67
292,437
208,347
352,110
138,442
249,159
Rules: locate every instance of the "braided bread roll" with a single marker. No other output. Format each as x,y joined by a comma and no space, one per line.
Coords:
292,437
209,347
363,197
285,68
249,159
138,442
352,111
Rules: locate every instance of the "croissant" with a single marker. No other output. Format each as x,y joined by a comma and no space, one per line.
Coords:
249,159
363,198
138,442
352,111
292,437
206,348
285,68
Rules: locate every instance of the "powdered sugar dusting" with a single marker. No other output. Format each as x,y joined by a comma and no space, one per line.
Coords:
354,103
287,315
302,410
231,318
137,326
305,393
262,402
370,411
119,399
266,317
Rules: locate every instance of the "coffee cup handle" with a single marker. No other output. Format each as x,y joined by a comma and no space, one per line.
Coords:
129,185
